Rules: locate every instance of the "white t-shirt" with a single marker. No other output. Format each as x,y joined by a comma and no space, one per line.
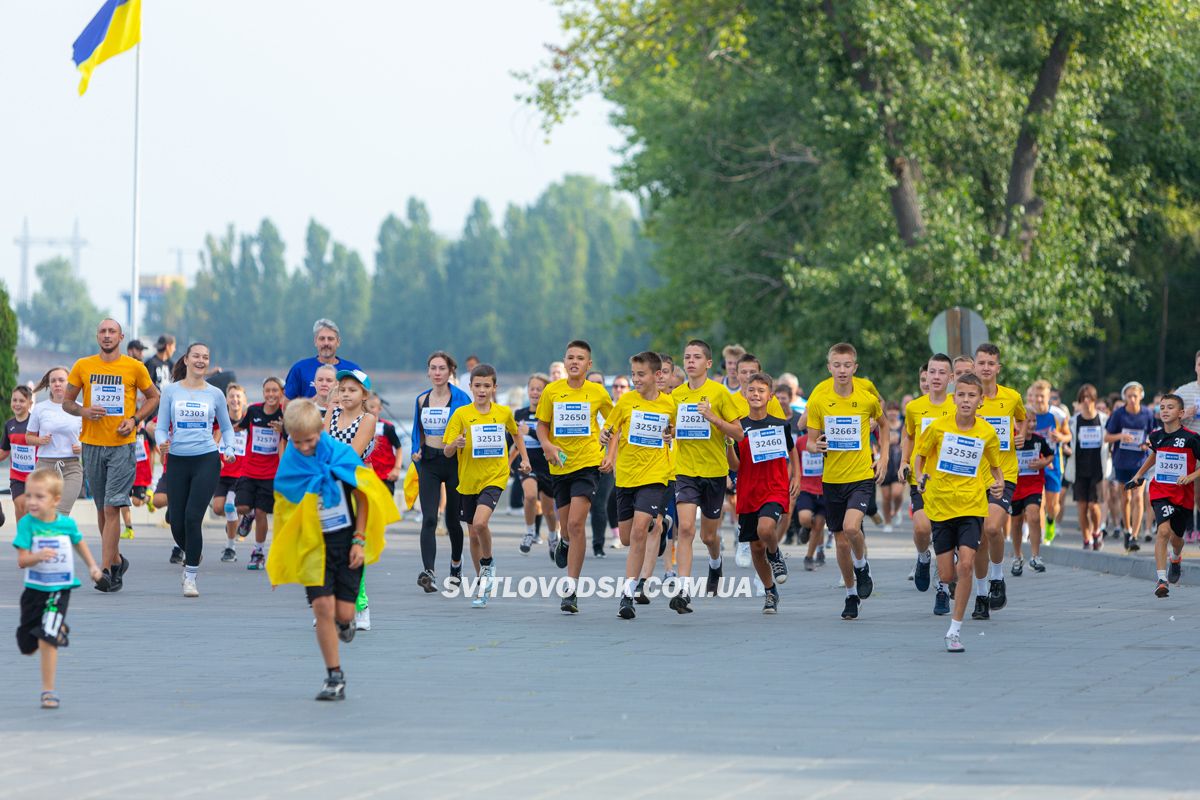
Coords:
1190,392
47,418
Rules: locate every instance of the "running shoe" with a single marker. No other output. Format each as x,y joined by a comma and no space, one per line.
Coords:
1098,544
527,543
1050,531
941,603
863,582
257,560
1161,590
599,553
877,518
560,554
669,574
954,644
176,555
851,609
228,554
821,558
189,587
809,564
1148,538
334,687
681,604
714,580
121,570
427,581
487,581
639,594
771,603
1133,545
105,582
1174,570
805,533
569,604
921,575
981,608
742,557
889,528
345,631
626,610
244,525
997,594
1036,564
1018,567
552,543
480,600
455,579
362,619
150,502
127,533
779,570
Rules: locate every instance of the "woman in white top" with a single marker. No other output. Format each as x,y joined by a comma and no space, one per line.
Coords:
56,435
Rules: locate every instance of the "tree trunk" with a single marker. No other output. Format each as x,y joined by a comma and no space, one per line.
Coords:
1161,373
1025,155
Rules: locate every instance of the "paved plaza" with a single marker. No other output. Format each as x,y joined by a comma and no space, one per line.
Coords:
1085,686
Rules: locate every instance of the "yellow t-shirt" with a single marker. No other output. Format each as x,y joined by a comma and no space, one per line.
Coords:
859,383
642,457
571,415
774,409
483,460
699,445
1002,412
113,385
846,423
919,415
958,463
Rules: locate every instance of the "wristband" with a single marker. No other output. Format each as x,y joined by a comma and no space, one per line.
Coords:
358,540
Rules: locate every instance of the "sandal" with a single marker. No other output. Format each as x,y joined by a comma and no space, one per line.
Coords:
49,700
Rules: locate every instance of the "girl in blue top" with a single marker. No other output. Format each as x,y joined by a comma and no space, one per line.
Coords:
189,410
431,412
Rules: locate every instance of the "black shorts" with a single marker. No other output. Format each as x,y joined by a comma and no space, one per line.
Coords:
916,499
1176,516
708,493
391,485
340,581
580,483
649,498
16,489
39,626
256,493
139,493
949,534
1086,489
468,503
1004,500
225,483
748,523
545,484
859,495
807,501
1017,507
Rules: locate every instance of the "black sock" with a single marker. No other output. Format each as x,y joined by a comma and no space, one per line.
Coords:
537,524
485,562
331,670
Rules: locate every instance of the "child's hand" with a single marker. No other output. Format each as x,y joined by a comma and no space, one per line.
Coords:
162,448
95,572
45,554
460,442
356,556
525,467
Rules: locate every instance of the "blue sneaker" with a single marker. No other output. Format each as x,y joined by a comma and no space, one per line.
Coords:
941,603
921,576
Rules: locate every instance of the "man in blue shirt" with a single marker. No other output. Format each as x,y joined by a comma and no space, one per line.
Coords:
327,339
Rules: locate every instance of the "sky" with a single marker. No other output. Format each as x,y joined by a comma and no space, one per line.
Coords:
288,109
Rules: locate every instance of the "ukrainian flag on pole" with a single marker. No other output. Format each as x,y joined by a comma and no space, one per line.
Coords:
116,27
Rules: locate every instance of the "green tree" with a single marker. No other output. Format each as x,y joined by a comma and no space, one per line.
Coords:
8,344
61,315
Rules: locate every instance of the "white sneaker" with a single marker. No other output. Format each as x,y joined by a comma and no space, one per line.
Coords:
889,528
954,644
742,559
362,619
189,587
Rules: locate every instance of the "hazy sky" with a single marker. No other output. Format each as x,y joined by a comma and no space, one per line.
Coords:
288,109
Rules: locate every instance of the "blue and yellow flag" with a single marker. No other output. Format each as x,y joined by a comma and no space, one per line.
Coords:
116,27
298,553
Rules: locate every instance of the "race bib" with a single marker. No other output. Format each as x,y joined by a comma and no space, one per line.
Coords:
843,433
812,464
433,420
337,516
1169,467
110,397
1090,437
379,430
487,441
1024,459
689,424
141,454
58,572
960,455
1139,437
191,414
265,441
1003,426
572,419
239,443
766,444
646,428
24,457
531,440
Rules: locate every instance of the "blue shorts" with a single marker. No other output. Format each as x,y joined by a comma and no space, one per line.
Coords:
1053,481
1123,476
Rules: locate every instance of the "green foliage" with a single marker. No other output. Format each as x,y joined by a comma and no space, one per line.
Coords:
61,315
8,344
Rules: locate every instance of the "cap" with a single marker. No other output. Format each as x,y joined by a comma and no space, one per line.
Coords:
136,344
1131,384
357,374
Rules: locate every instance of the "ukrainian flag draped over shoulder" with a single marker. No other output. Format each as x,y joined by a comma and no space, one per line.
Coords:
116,27
297,554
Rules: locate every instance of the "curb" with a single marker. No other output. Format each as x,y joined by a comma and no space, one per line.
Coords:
1116,563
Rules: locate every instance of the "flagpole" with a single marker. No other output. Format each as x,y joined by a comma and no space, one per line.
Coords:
134,316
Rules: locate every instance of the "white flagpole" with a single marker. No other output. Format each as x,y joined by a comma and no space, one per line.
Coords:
134,315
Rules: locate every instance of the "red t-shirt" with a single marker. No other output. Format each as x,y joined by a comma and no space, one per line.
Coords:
142,474
764,455
812,468
262,443
22,455
1175,455
1031,482
387,447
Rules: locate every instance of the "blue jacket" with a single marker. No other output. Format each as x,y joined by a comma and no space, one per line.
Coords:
299,381
458,398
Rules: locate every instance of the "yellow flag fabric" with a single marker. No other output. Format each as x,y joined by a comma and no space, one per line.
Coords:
116,28
411,487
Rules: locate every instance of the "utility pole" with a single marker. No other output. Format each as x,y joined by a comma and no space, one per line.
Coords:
25,241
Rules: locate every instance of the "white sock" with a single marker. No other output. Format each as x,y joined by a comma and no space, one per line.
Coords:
258,546
530,530
859,563
981,587
231,541
955,627
190,572
630,585
996,572
1162,574
923,557
714,563
943,587
852,591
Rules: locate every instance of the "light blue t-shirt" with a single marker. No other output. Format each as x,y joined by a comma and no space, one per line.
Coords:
49,576
186,416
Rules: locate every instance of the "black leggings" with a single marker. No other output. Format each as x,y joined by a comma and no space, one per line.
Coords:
433,470
599,512
191,482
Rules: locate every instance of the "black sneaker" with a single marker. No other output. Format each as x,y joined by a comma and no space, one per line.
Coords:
1018,567
244,525
345,631
560,554
569,604
771,601
714,580
941,603
639,594
1148,538
680,604
981,608
851,609
334,687
115,582
668,523
121,570
1161,590
805,533
455,578
921,575
1174,570
820,558
599,553
427,581
176,555
809,564
228,554
997,595
779,570
105,582
626,610
863,582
